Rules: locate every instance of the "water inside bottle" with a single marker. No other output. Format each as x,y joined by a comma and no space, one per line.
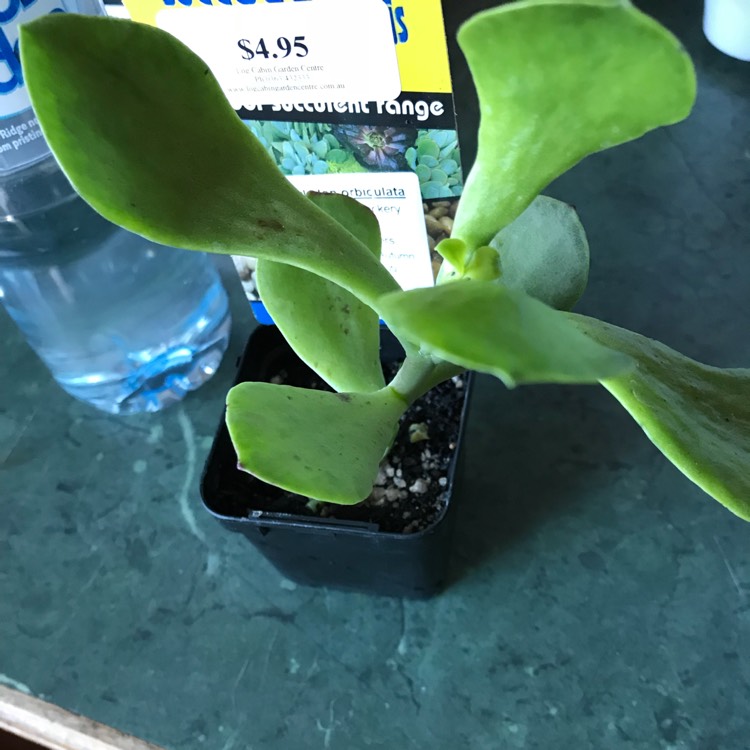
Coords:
122,323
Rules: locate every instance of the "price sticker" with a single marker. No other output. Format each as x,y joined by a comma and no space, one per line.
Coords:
317,52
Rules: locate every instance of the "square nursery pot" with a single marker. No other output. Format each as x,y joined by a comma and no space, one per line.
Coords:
369,548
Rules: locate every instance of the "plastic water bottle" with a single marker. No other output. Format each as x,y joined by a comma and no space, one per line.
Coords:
121,323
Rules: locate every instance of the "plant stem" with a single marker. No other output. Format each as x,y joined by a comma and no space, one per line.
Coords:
418,374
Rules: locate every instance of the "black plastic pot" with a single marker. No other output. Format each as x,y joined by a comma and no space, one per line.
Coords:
328,552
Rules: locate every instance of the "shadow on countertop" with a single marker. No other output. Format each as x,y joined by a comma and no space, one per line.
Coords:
667,220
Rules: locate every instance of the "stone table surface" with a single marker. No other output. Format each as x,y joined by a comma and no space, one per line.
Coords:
598,599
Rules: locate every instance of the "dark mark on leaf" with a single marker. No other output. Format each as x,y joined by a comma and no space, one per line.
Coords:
277,226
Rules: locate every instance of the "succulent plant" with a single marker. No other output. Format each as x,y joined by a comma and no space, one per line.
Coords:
557,80
377,148
298,147
436,160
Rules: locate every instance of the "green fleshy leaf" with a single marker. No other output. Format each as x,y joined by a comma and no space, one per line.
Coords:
545,253
323,445
337,156
484,264
423,173
271,132
432,190
440,137
428,149
165,154
439,176
484,326
558,80
329,329
454,252
698,416
449,166
448,151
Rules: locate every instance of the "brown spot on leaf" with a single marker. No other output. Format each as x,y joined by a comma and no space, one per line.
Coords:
345,397
273,224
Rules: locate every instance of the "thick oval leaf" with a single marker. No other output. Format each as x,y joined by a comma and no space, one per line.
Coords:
326,446
354,216
698,416
545,253
329,328
146,136
484,326
558,80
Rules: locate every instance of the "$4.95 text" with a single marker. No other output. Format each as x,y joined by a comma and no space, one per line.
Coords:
283,45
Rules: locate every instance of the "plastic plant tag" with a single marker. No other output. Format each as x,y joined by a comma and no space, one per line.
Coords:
397,204
318,139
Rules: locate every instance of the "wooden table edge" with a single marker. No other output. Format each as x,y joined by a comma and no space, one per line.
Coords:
57,729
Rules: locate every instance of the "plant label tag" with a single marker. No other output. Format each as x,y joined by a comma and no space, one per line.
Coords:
290,52
391,127
396,201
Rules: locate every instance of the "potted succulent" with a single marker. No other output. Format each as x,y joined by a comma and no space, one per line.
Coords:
164,155
397,541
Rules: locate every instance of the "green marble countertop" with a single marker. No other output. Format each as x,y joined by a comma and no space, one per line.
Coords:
598,598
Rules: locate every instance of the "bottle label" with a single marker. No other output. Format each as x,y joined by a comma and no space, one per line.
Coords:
21,140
